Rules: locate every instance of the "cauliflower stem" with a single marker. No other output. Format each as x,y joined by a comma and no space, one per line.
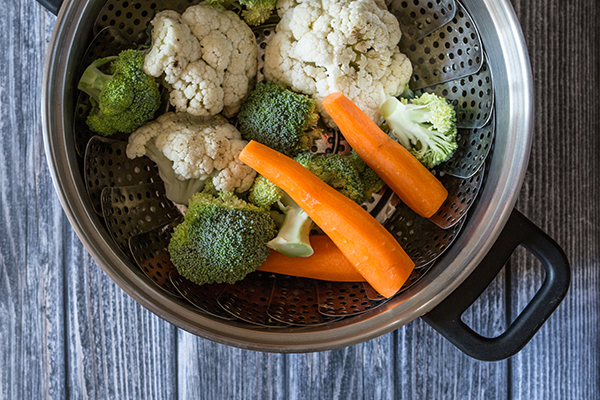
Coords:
177,190
190,150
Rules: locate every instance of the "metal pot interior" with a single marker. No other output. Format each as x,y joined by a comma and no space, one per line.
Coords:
506,165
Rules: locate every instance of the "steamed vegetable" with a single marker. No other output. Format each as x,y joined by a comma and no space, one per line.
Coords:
365,242
279,118
190,150
124,97
254,12
345,173
348,46
222,238
372,183
326,263
207,55
402,172
425,126
292,238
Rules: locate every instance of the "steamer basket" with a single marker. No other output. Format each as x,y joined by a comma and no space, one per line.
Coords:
118,209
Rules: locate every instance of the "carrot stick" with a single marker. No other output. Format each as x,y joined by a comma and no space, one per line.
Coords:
368,246
399,169
327,263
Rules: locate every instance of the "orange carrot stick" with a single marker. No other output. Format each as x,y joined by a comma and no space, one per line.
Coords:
327,263
402,172
365,242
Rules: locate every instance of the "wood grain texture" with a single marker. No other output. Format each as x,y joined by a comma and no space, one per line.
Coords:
335,374
32,332
67,331
560,194
115,348
208,370
430,367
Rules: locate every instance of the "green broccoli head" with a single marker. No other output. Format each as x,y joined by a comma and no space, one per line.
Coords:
279,118
264,193
372,183
337,170
254,12
124,98
425,126
222,239
257,12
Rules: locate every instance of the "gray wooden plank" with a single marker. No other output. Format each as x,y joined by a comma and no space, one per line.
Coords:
435,369
31,301
116,348
430,367
208,370
560,194
380,368
334,374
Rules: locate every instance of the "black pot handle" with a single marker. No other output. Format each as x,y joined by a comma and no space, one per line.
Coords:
51,5
446,317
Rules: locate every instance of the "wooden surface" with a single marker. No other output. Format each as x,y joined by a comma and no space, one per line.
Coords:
67,331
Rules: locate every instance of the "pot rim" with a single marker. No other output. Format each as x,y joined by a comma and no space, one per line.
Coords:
417,301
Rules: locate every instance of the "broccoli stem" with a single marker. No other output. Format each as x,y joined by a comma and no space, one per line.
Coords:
293,237
406,123
93,80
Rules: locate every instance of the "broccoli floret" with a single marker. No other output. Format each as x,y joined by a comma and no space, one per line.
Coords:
372,183
425,126
279,118
124,98
348,174
292,239
257,12
254,12
222,238
264,193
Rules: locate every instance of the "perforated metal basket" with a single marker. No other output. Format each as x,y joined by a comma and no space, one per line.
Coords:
119,210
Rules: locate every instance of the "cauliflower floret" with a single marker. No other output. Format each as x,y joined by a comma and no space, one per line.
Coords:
212,70
229,46
173,46
188,147
198,91
348,46
235,173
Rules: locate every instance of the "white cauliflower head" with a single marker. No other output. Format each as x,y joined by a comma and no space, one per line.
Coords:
219,73
348,46
197,91
198,148
173,46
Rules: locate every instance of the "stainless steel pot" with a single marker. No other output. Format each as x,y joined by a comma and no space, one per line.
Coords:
492,231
